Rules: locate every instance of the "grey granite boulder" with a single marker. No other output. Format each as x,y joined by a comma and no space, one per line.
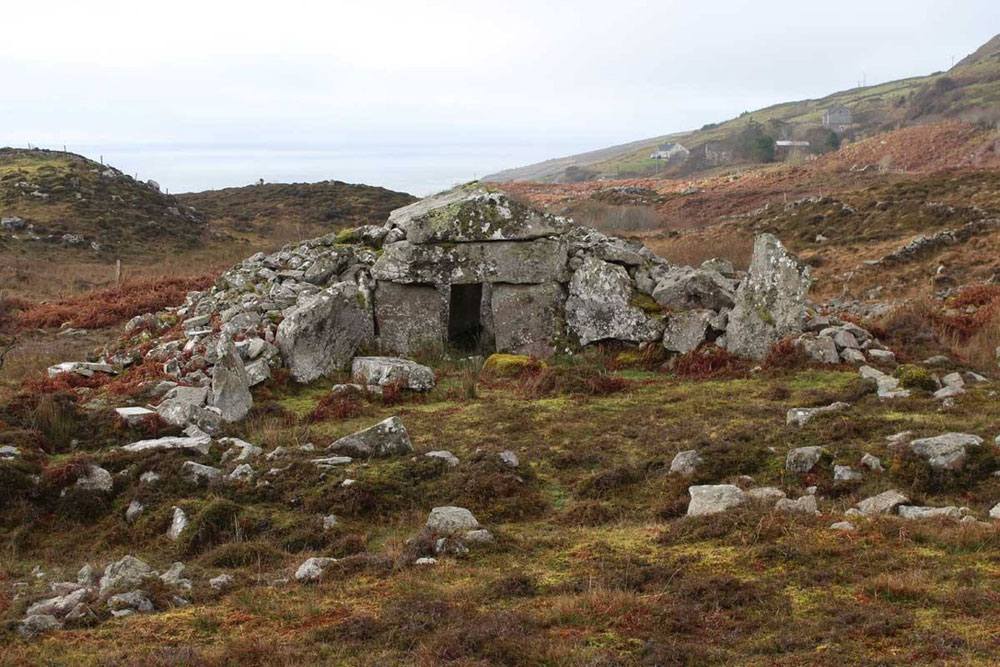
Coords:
945,452
599,306
802,460
770,302
128,572
714,499
387,438
686,462
312,569
802,416
449,520
386,371
322,334
528,319
883,503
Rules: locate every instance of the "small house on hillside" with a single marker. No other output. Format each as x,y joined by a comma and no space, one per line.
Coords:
838,118
672,152
784,148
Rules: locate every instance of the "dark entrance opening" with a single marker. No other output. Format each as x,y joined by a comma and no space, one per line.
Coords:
465,328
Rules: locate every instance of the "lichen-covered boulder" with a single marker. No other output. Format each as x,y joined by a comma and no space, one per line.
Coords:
684,288
473,212
770,302
714,499
448,520
386,371
945,452
387,438
230,384
323,333
128,572
599,306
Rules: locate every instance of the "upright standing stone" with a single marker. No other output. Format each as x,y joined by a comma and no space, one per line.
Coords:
230,384
410,318
770,302
527,319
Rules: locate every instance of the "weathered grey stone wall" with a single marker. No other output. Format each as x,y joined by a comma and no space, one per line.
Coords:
410,318
528,319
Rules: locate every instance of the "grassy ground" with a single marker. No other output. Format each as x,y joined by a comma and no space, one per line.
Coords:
593,563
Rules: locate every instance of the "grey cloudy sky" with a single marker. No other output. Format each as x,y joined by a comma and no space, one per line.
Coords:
527,79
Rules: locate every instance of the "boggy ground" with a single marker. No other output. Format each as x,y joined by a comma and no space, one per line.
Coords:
593,563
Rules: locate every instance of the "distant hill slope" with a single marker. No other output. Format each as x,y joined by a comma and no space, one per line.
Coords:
970,91
70,201
312,208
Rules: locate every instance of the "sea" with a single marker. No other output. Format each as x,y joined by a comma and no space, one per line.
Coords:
417,168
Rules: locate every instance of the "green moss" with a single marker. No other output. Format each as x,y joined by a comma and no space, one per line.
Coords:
914,377
645,302
507,365
347,236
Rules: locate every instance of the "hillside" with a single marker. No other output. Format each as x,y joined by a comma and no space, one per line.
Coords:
65,209
311,209
970,91
69,201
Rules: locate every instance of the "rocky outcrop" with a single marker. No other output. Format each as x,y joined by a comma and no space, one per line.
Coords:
770,302
230,384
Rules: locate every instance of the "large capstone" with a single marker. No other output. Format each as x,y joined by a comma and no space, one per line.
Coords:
528,319
538,261
230,384
322,334
770,302
410,318
473,212
599,306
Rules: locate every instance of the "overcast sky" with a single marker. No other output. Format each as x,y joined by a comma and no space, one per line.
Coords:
117,77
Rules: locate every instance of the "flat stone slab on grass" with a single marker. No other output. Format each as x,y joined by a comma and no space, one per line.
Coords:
802,416
386,371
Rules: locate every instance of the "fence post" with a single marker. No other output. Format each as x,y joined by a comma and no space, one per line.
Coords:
118,273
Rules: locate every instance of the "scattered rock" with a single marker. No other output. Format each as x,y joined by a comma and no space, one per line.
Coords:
388,371
313,569
714,498
449,520
804,505
767,495
221,582
843,526
128,572
686,462
510,459
38,625
135,508
883,503
802,460
385,439
846,474
945,452
914,512
200,474
230,384
444,455
177,524
802,416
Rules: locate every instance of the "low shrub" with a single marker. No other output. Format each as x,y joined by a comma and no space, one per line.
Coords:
216,522
711,362
244,554
914,377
